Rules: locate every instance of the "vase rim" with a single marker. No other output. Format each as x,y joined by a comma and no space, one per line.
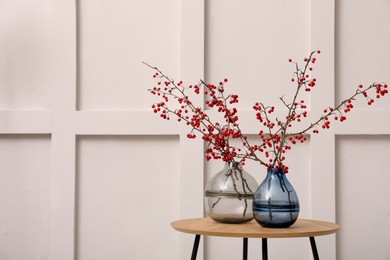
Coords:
276,171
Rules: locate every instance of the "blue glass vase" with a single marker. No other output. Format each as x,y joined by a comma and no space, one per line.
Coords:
275,203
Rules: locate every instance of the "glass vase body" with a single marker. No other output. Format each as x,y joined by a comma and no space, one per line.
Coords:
229,195
275,203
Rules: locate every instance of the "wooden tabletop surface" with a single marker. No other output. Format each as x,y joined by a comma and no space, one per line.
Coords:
209,227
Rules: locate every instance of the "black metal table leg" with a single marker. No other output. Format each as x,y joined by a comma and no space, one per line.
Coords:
314,248
265,249
195,248
245,249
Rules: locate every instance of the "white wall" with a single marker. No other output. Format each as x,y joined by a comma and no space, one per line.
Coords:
89,172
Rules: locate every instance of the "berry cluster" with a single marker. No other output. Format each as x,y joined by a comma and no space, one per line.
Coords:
215,134
275,140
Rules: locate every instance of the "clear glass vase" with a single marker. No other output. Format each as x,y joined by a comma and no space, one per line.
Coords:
229,194
275,203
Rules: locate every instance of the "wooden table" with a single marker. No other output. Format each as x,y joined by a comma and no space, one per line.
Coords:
209,227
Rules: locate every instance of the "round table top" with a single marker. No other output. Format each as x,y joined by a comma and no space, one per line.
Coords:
251,229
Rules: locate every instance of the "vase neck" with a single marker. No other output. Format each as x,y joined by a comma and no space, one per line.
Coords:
233,165
273,171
